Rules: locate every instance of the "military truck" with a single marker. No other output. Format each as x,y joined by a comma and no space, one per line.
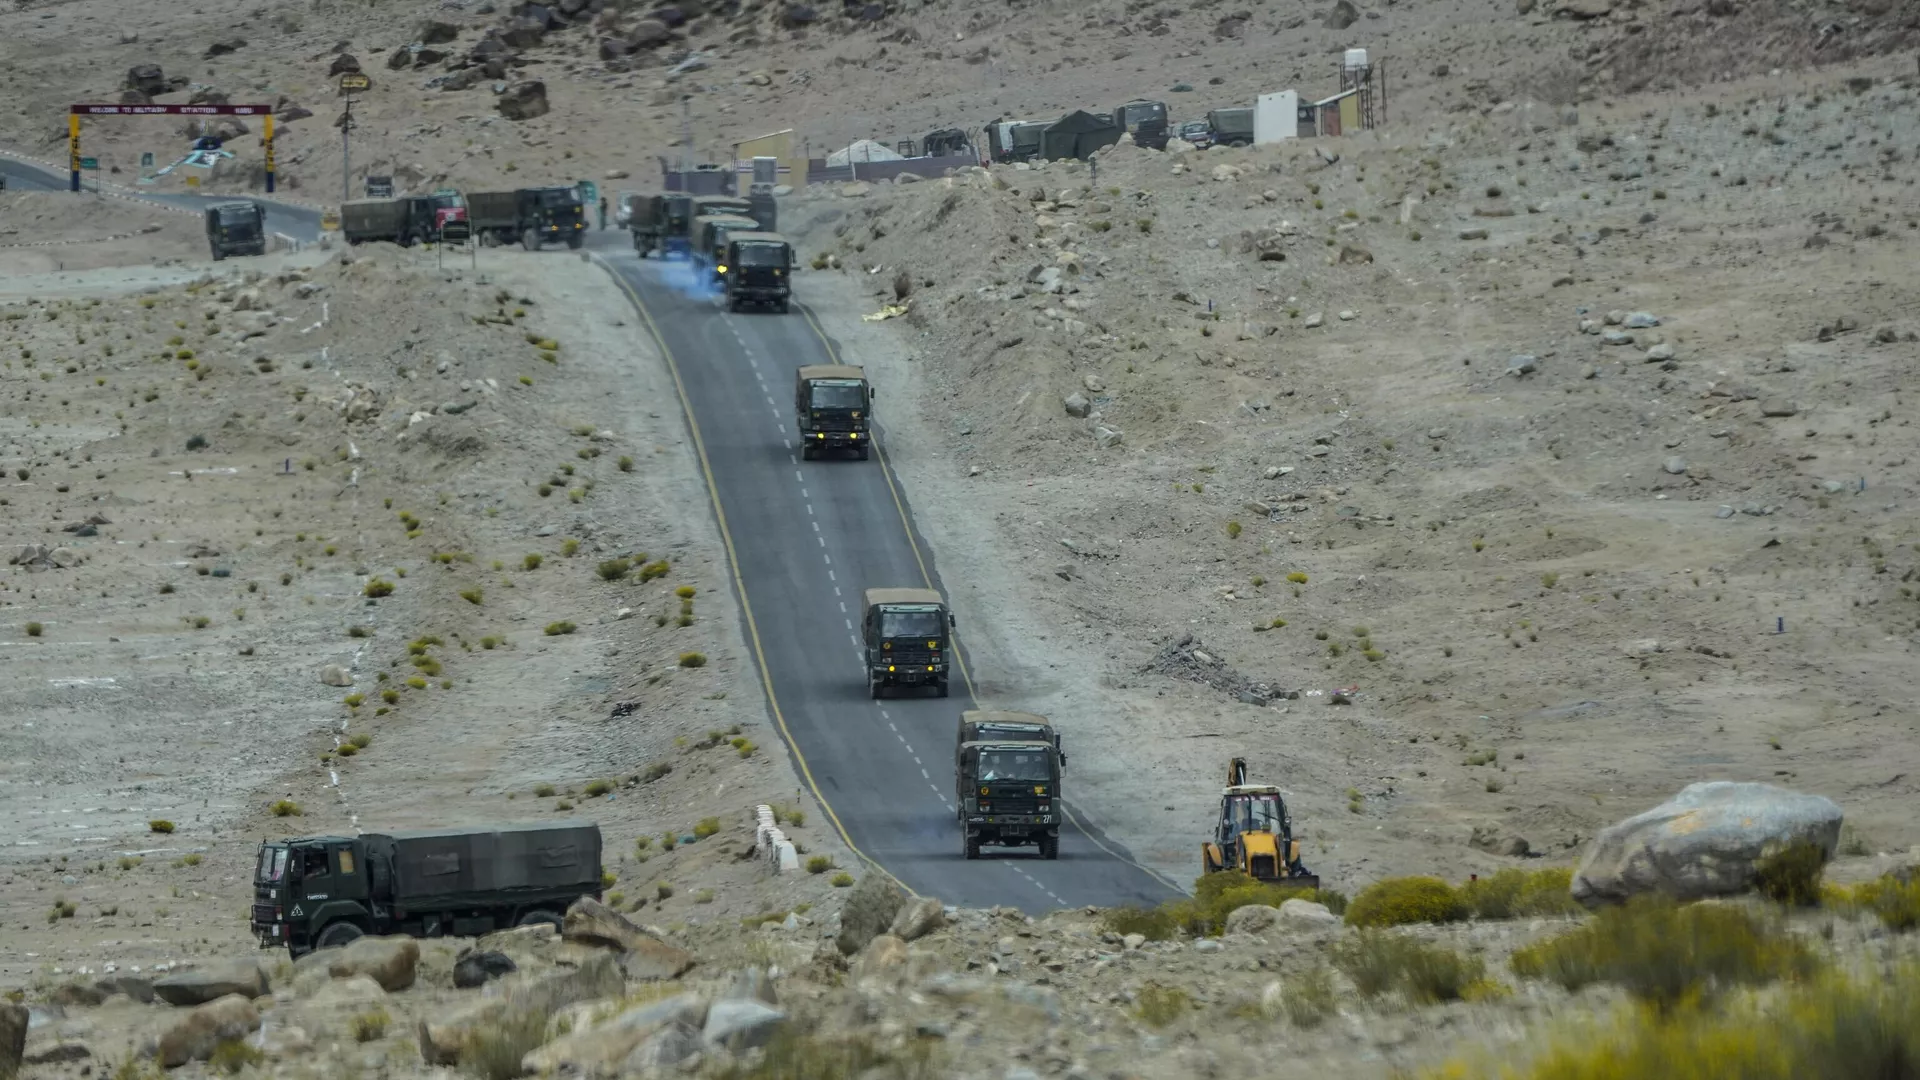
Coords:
757,268
1145,120
833,407
659,223
710,233
1008,790
236,228
1231,127
408,220
908,634
529,216
316,892
980,725
1014,140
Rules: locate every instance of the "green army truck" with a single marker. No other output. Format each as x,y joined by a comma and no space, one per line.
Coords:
908,635
757,268
236,228
709,233
1008,787
659,223
316,892
833,406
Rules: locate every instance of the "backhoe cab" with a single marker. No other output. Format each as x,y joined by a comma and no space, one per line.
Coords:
1255,835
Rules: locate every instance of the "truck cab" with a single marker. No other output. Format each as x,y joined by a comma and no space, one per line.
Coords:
551,215
1013,140
236,228
309,892
908,635
986,726
1145,120
757,268
834,409
448,205
1008,794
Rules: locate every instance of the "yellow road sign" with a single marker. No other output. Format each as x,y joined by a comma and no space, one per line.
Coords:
353,82
330,220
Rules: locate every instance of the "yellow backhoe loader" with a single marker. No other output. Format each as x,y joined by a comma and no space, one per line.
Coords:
1255,835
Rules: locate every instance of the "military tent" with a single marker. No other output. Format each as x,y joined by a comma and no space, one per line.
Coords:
1077,135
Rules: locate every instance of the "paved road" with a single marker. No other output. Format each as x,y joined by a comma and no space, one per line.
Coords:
298,222
807,539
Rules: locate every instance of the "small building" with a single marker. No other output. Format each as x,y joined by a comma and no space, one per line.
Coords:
792,168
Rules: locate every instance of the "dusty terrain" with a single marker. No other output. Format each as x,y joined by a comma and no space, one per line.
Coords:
43,232
205,481
1564,564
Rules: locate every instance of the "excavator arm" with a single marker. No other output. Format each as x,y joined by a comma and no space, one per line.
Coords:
1236,772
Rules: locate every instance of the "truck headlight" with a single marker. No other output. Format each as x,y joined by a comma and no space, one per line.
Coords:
719,269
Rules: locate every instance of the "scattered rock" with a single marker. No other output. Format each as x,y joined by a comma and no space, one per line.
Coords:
523,101
444,1038
476,968
1306,915
196,1034
59,1053
1253,919
1674,466
353,992
741,1025
335,675
1106,437
1640,320
917,918
1497,841
601,1049
1583,9
869,911
225,46
1778,407
1077,405
389,961
1705,841
1473,234
216,980
434,32
344,63
1313,321
883,954
1660,352
1341,15
645,957
1522,364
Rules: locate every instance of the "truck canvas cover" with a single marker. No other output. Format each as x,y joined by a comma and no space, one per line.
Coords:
809,372
235,213
978,726
542,856
745,239
878,597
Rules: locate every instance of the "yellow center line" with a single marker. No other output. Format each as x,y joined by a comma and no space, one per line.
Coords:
886,471
739,582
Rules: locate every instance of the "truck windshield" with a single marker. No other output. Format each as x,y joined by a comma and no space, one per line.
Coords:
1255,813
910,624
1148,110
1032,766
762,255
560,198
841,396
273,863
236,215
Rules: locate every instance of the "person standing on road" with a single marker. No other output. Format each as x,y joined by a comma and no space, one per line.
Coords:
603,213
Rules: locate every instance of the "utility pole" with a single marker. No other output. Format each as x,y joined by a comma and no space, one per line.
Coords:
346,153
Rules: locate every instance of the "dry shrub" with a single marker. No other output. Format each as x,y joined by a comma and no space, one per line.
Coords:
1159,1006
1309,999
1896,902
1664,953
1834,1028
1379,961
1791,875
494,1052
1402,901
795,1055
1513,893
1215,896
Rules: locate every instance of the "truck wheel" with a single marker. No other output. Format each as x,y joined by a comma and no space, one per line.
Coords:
873,689
576,240
1049,847
939,688
336,934
973,847
218,255
782,307
860,452
530,240
539,916
806,452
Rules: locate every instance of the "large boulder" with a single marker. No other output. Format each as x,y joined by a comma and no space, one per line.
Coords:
648,34
196,1035
870,909
523,33
917,918
1252,919
435,32
389,961
600,1050
1298,914
13,1037
883,955
444,1038
355,991
666,1049
590,922
523,100
1705,841
216,980
343,64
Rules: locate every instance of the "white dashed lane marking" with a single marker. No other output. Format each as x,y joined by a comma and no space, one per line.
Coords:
1036,884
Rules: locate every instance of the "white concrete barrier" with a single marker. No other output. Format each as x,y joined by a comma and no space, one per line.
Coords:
771,844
